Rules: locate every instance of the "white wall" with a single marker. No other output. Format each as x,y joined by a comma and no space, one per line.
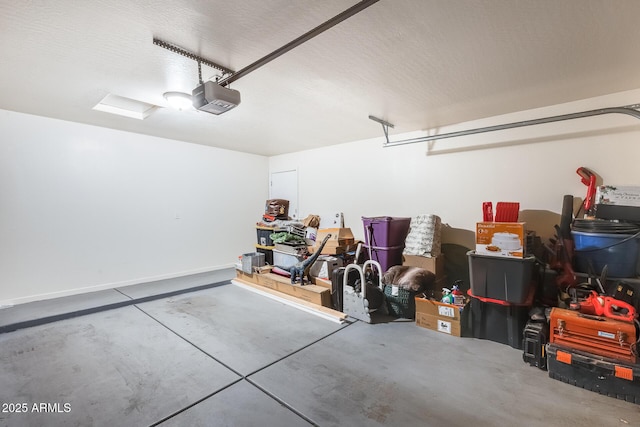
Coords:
535,166
85,208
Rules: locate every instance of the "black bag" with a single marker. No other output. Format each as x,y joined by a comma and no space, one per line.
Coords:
337,280
375,295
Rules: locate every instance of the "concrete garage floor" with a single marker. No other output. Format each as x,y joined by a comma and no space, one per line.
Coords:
225,356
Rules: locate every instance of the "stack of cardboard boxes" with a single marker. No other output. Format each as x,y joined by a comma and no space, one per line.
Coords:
341,241
332,254
432,314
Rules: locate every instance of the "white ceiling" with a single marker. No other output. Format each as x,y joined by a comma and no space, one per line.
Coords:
419,64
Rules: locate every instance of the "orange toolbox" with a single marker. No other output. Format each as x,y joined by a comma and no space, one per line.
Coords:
603,336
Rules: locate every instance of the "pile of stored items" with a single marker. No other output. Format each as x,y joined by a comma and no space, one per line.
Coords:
593,328
319,261
572,308
570,305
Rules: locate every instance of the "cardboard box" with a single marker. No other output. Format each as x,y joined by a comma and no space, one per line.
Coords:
439,324
325,283
339,242
618,195
446,318
311,293
334,250
246,276
432,264
319,295
339,236
506,239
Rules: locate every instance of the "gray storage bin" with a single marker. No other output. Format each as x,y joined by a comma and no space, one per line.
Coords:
250,260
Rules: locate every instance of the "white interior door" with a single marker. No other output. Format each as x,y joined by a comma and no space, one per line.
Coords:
284,185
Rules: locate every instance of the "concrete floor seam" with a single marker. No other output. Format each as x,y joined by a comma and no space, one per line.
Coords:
300,349
167,418
230,368
283,403
191,343
122,293
276,398
244,377
130,367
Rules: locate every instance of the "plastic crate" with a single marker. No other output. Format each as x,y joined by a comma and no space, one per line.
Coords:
400,302
604,376
501,278
385,231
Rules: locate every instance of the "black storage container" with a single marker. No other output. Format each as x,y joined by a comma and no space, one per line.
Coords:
501,278
535,337
595,373
264,234
498,321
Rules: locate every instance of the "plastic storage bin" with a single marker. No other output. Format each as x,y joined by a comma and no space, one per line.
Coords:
385,231
250,260
501,278
617,251
284,259
263,234
387,257
499,321
594,373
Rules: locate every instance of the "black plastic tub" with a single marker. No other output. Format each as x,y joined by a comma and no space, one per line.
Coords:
499,321
501,278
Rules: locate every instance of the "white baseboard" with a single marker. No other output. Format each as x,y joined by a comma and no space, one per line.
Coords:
290,303
95,288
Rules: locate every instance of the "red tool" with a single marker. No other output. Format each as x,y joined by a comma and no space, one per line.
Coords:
610,307
487,211
588,178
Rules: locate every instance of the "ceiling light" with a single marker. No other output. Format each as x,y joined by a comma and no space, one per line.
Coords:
178,100
127,107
